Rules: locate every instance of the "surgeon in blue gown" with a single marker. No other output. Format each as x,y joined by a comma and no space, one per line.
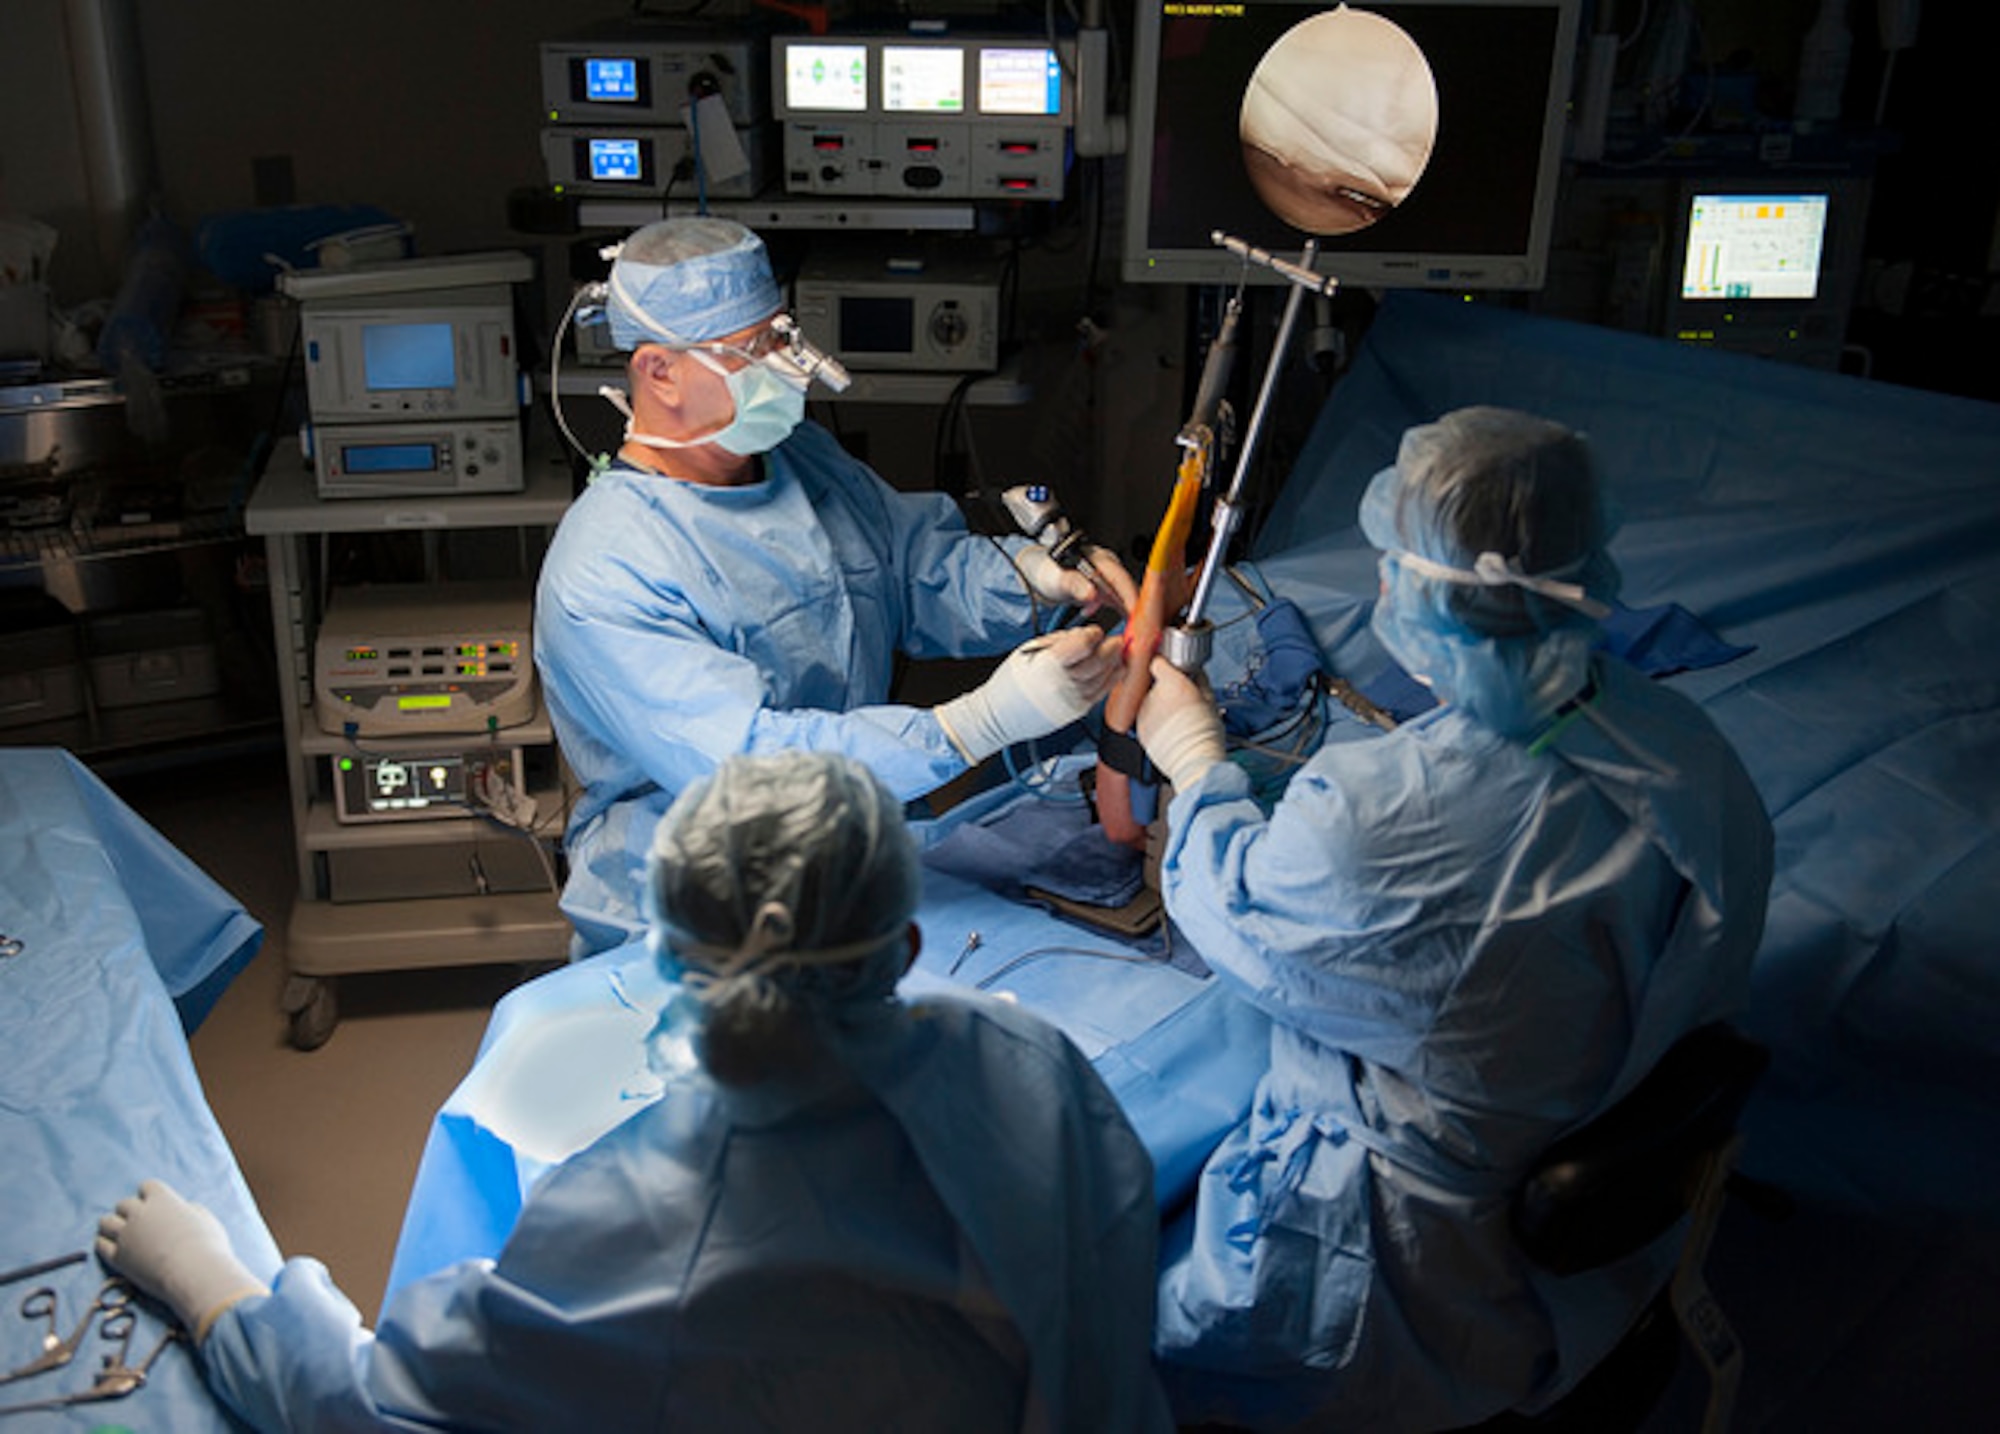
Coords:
735,581
844,1213
1472,934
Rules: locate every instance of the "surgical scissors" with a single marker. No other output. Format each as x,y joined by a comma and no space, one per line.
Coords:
115,1377
40,1303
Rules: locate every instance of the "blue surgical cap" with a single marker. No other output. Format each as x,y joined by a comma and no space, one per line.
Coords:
687,281
1512,502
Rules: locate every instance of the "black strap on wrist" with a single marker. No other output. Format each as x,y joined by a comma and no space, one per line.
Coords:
1121,752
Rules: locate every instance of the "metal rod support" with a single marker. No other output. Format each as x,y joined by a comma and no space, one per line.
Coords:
1227,514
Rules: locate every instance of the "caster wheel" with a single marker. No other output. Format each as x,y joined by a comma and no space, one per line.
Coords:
314,1011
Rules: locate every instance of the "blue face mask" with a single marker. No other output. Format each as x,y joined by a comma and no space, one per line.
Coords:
769,405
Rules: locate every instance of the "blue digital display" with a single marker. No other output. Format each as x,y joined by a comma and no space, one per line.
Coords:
615,159
389,457
611,82
405,356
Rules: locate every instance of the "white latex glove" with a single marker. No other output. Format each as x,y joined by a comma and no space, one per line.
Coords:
178,1252
1179,726
1045,683
1052,582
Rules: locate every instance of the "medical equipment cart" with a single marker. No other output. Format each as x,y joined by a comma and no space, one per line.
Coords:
371,926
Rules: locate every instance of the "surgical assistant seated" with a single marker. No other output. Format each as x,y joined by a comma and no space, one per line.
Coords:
1471,934
845,1212
736,582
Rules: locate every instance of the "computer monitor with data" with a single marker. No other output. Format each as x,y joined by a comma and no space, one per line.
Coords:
1754,246
1766,268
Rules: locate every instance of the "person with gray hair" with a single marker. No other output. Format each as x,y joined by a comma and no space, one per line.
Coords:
735,581
1472,934
845,1212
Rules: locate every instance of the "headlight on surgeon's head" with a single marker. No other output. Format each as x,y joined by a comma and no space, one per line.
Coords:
799,361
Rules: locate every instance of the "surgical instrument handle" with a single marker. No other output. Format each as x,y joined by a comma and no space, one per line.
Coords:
1226,514
28,1272
1214,375
1301,273
1035,511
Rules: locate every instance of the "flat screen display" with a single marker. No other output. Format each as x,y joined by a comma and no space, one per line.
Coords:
923,79
1417,142
885,325
828,77
1754,246
394,785
1024,81
406,356
616,161
389,457
611,81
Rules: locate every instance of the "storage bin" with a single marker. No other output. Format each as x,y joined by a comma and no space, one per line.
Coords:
138,658
40,677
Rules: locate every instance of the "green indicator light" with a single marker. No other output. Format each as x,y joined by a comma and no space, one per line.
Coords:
429,702
346,764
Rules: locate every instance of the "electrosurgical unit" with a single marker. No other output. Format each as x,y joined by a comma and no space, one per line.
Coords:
402,659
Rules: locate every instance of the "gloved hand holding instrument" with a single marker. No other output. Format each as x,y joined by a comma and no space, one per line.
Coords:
1126,782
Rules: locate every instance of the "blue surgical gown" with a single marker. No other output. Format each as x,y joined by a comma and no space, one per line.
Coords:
950,1226
677,624
1467,945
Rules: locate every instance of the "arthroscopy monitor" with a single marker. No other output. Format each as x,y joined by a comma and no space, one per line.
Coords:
1754,246
1417,141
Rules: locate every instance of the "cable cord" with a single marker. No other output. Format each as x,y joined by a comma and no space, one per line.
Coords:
1026,957
555,377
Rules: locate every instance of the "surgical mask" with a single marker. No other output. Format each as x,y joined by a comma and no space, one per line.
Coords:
769,404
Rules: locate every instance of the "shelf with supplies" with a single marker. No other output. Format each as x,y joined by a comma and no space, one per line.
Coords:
130,613
428,824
